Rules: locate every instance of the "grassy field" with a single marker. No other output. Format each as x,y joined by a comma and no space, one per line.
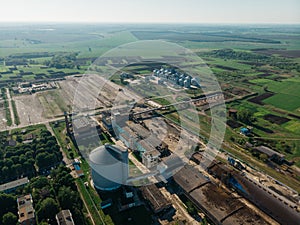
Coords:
293,126
52,102
287,93
284,101
16,116
233,64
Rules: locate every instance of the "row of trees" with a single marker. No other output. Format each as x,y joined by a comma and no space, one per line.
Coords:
62,61
28,159
279,62
238,55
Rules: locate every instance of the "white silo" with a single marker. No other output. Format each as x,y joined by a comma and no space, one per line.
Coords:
187,83
109,165
195,82
180,81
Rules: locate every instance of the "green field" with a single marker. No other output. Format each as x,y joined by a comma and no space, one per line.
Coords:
284,101
287,93
293,126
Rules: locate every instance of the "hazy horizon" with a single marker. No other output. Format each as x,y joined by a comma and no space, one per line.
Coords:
164,12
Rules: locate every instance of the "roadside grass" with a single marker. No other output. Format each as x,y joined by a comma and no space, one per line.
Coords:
16,116
89,201
6,107
33,129
65,142
91,194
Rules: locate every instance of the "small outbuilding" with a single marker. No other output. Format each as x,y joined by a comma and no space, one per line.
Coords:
272,155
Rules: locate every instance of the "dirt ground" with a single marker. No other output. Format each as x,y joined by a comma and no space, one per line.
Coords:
94,92
29,108
2,119
260,98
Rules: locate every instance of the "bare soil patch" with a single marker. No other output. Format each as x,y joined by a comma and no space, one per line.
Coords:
233,124
258,99
284,53
276,119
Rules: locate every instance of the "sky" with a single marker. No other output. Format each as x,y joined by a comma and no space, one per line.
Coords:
152,11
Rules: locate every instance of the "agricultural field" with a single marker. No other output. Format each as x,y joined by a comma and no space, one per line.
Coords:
285,94
258,69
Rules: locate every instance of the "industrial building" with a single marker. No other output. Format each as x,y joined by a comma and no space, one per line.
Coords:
272,155
106,121
26,210
189,179
129,138
109,165
83,127
64,217
13,185
127,199
134,137
156,199
280,209
151,158
219,205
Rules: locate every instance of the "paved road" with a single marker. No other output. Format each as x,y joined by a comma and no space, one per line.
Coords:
90,112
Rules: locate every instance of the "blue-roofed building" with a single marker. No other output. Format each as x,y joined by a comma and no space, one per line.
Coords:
245,131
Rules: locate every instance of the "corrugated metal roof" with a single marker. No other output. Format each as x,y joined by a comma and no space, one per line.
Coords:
14,184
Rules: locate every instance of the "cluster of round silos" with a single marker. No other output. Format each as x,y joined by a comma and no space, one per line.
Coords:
180,79
184,81
109,167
